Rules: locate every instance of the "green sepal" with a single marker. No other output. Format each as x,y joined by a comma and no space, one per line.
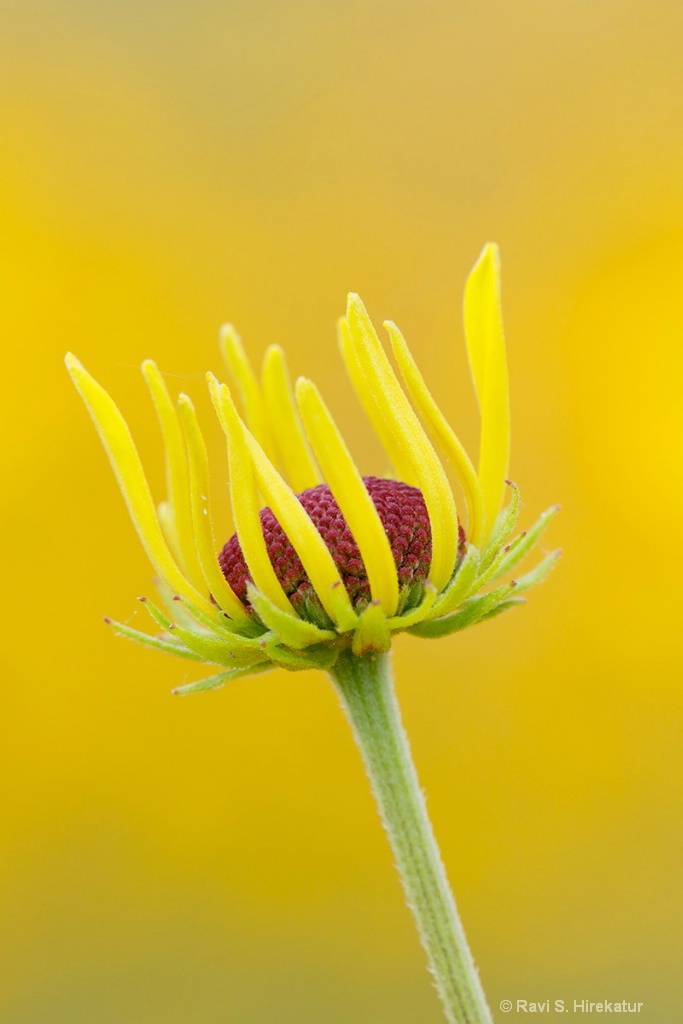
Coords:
409,599
220,623
156,613
184,612
521,545
418,613
157,643
233,652
345,616
214,682
309,608
177,609
493,571
372,634
293,632
474,610
188,613
504,525
461,584
322,657
540,572
504,606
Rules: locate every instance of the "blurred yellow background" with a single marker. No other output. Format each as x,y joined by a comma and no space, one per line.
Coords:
165,167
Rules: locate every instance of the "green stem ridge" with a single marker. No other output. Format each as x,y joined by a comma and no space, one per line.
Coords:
366,690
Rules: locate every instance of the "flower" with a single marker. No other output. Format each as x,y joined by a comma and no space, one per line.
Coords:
322,559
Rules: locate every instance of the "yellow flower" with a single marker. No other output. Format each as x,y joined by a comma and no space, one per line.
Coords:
323,559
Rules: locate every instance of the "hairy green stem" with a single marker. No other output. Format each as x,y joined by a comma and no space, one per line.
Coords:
366,689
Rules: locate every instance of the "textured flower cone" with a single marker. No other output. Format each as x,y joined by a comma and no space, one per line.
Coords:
403,515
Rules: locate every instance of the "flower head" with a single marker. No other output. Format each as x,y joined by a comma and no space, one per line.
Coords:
323,559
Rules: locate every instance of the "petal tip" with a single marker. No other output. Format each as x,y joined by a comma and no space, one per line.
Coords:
273,352
491,251
73,364
355,306
303,386
227,332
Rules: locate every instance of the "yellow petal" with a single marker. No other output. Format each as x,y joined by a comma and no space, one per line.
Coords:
295,453
402,467
381,392
441,428
351,495
245,500
167,524
177,475
125,461
486,350
293,518
204,535
248,389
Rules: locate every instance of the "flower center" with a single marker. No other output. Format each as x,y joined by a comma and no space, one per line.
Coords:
403,514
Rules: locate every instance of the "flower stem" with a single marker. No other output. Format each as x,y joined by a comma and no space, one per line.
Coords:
366,689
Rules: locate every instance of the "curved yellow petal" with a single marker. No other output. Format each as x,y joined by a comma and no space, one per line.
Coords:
248,389
167,523
441,428
488,362
293,518
363,386
125,462
177,474
381,392
351,495
245,500
293,447
200,496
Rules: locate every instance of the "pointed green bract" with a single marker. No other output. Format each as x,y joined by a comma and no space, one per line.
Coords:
540,573
215,682
372,632
417,614
294,633
523,544
167,645
474,610
219,651
156,614
504,606
503,527
461,584
320,657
